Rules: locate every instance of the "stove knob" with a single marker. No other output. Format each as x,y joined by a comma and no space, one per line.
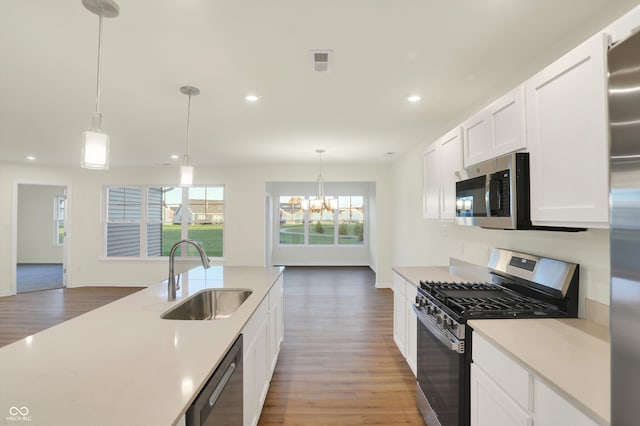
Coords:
429,310
439,319
446,324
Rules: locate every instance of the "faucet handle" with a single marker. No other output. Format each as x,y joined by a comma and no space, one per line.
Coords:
178,282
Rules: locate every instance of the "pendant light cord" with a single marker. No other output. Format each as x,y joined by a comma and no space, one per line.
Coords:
99,57
186,155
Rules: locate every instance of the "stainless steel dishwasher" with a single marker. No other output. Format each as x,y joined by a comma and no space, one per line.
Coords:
220,401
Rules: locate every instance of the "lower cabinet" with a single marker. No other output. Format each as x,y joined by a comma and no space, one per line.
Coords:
503,392
491,406
263,334
404,320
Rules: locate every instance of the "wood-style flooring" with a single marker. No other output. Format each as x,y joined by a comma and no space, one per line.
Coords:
338,363
24,314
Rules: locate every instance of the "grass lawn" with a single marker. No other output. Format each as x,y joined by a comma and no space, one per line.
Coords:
294,234
209,236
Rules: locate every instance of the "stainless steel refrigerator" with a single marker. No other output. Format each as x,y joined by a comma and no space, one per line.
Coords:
624,125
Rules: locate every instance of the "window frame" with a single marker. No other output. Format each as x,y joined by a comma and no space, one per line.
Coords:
57,199
144,222
307,222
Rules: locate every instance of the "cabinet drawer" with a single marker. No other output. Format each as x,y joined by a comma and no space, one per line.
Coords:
507,373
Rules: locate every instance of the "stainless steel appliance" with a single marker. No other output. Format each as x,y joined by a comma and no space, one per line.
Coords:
495,194
522,286
220,401
624,126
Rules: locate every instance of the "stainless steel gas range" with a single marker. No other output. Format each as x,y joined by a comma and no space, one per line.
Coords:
522,286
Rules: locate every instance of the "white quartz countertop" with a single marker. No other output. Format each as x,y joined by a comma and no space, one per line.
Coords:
570,355
460,273
122,363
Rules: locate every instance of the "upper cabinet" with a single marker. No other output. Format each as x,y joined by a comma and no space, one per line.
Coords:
568,139
441,161
496,130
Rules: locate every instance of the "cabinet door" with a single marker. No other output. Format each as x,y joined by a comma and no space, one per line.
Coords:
450,163
431,182
496,130
507,119
275,323
477,138
551,409
491,406
412,330
568,139
399,318
255,363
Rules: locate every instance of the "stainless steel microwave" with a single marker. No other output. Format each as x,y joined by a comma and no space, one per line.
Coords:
495,194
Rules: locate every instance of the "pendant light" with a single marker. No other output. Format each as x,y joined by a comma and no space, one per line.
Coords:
95,143
186,170
321,202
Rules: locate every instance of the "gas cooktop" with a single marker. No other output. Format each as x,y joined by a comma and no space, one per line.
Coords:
486,300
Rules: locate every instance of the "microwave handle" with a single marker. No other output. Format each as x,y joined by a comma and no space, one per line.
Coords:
492,196
487,196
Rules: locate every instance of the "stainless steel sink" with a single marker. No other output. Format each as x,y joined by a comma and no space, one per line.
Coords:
209,304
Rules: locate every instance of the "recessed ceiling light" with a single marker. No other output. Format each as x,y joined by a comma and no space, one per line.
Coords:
175,156
31,157
252,98
414,98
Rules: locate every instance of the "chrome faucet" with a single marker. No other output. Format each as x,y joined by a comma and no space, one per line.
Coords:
173,287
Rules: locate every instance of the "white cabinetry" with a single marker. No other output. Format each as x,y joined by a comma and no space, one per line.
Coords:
496,130
261,344
553,410
625,26
491,406
568,139
440,162
504,392
276,323
411,353
399,313
404,320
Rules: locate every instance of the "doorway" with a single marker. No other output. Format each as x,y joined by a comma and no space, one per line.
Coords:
40,237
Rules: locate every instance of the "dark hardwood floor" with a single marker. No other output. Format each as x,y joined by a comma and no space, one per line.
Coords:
25,314
338,363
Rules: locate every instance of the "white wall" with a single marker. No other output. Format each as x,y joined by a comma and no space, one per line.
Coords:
36,224
420,242
244,215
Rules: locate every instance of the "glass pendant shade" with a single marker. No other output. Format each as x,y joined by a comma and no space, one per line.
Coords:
95,150
186,175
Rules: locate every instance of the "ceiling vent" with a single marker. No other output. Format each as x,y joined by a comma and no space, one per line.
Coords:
321,60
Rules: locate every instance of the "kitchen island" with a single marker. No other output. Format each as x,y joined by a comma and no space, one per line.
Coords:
122,363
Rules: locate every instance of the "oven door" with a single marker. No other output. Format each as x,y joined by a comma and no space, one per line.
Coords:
443,375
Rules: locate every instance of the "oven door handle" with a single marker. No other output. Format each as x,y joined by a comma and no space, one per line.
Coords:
448,343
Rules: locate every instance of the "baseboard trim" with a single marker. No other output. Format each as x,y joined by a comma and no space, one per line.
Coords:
146,284
383,285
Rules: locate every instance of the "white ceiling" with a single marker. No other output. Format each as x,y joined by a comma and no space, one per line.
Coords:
458,54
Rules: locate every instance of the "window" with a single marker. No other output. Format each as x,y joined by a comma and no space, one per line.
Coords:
59,205
304,220
147,221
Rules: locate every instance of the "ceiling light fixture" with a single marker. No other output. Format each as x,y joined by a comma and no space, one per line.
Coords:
252,98
95,143
186,170
322,202
31,158
414,98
